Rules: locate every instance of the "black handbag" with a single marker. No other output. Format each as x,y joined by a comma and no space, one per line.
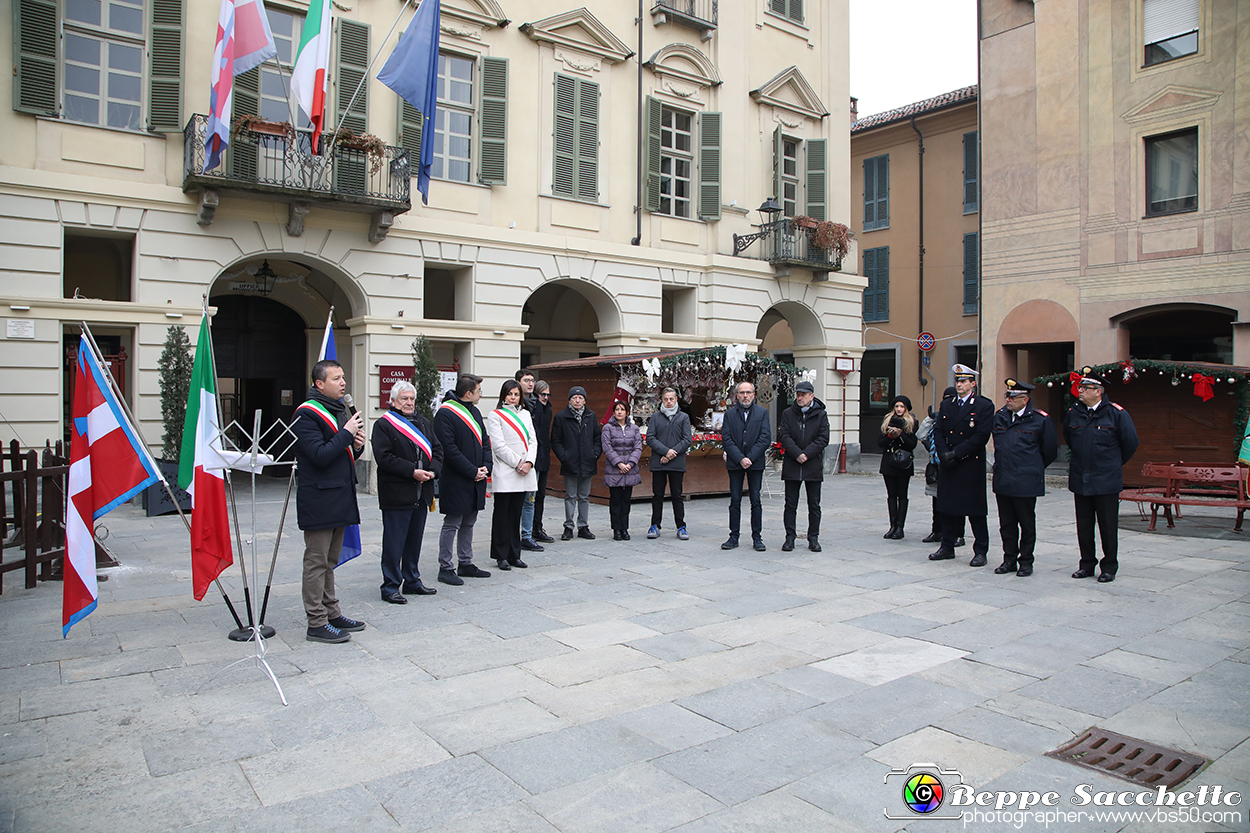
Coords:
901,457
931,474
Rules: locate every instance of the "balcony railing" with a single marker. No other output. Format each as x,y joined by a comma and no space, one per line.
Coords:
782,242
697,14
273,166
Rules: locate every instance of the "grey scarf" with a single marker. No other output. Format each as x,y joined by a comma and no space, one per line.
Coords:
669,412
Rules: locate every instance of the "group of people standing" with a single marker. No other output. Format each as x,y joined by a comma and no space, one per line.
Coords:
1100,436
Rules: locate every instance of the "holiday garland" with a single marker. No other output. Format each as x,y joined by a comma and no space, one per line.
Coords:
704,369
1205,378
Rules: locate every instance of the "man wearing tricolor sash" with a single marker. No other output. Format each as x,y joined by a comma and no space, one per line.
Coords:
467,462
408,457
327,443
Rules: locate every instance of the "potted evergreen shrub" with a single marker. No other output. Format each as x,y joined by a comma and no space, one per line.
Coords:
175,365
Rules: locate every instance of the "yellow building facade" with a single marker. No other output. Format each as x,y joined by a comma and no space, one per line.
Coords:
916,218
593,165
1116,217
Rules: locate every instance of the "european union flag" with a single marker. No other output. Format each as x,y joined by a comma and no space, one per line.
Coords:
412,72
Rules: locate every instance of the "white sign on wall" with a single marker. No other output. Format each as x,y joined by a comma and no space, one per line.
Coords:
20,328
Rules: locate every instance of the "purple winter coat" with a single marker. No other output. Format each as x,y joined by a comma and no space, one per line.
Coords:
621,445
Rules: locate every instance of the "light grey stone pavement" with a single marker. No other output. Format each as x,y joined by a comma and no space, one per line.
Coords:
628,686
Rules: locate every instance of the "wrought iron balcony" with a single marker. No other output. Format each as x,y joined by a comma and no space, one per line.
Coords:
784,243
280,166
696,14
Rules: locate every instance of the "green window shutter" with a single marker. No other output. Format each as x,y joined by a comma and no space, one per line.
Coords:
870,194
564,177
410,123
777,6
972,274
165,67
242,153
883,191
816,188
492,166
777,163
877,193
709,166
35,31
971,191
877,293
795,11
654,116
351,46
587,140
870,291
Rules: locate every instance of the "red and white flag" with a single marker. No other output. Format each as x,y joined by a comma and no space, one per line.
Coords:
243,41
108,466
200,472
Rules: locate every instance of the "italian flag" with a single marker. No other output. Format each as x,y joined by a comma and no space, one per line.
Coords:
312,63
200,472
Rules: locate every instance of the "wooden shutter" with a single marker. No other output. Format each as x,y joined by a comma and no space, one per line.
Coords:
587,140
709,165
795,11
876,192
165,67
492,165
35,30
654,119
351,59
410,123
815,186
778,162
971,274
564,175
242,153
971,191
877,293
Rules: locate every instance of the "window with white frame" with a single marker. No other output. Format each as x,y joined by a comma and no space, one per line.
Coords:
453,120
683,159
676,162
799,175
1169,29
789,192
103,62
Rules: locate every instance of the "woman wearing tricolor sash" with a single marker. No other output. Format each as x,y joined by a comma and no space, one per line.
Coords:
409,457
515,448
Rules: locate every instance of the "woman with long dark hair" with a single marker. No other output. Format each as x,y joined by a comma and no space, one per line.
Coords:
622,446
514,446
897,442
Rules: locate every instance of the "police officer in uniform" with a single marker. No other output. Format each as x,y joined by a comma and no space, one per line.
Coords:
960,436
1101,438
1025,443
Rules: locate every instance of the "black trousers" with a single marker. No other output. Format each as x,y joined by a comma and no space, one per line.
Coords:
791,511
896,485
953,528
755,480
505,526
618,506
1017,523
402,531
539,495
1106,510
673,479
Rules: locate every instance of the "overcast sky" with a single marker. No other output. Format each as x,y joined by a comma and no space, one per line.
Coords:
903,51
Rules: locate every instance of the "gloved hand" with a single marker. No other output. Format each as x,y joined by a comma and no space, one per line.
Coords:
947,457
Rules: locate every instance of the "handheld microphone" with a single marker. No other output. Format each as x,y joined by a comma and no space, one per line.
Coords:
349,404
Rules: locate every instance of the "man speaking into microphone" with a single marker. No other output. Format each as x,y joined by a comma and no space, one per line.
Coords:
327,442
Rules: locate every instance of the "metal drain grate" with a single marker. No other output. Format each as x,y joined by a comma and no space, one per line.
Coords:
1131,759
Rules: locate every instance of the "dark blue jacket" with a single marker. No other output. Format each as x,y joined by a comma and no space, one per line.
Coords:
326,466
463,455
1100,442
803,433
965,431
398,457
577,445
747,436
1022,451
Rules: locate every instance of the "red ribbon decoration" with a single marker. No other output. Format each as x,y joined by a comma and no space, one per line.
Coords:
1075,379
1202,387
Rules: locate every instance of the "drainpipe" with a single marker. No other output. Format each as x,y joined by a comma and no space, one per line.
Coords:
637,241
920,289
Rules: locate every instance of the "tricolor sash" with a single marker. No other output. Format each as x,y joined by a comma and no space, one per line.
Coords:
403,426
465,415
317,409
513,419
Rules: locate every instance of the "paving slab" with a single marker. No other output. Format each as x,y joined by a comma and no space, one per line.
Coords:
638,798
565,756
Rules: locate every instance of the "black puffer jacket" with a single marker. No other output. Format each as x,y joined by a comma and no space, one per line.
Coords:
576,445
803,433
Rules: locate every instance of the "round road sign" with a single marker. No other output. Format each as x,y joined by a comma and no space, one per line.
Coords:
926,341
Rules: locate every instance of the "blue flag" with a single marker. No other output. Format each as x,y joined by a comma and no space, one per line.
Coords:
351,536
412,72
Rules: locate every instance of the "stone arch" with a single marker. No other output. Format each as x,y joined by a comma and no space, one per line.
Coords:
684,61
1038,321
1180,331
569,311
306,283
801,319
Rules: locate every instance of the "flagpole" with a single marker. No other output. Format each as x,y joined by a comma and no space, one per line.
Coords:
121,400
365,79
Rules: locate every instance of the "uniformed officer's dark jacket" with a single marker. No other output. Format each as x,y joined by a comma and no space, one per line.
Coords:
1100,441
1022,451
963,430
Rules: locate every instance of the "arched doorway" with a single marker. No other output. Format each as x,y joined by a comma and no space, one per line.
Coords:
790,332
1037,338
1181,333
564,318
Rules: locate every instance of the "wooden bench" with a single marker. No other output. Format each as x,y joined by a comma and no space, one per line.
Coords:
1189,484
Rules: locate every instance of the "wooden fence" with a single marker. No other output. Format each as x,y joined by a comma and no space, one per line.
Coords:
32,533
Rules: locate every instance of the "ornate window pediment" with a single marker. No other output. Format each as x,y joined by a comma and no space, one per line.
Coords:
1172,100
789,90
580,30
685,63
487,14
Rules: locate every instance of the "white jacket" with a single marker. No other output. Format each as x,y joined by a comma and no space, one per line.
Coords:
509,450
